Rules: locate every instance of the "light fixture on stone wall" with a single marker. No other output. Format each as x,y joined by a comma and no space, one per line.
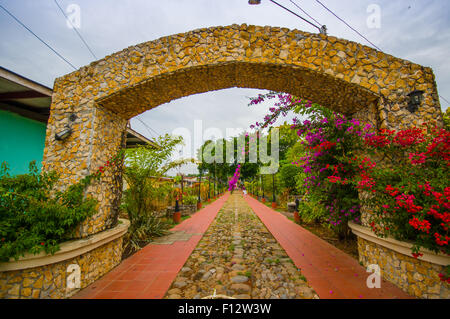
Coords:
63,134
415,99
67,129
254,1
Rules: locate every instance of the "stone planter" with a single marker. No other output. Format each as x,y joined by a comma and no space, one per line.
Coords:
418,277
47,276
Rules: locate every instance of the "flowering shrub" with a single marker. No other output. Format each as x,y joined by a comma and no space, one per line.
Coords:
233,181
411,195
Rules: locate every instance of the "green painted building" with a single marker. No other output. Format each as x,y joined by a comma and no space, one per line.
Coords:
22,140
24,111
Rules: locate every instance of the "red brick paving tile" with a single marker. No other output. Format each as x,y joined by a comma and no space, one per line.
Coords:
147,275
138,286
149,272
129,275
117,285
318,260
163,280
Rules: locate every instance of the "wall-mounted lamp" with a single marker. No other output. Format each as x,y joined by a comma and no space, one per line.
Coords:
415,99
67,130
64,134
254,1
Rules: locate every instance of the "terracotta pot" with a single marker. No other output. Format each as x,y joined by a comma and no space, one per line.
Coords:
177,217
209,200
274,205
199,206
297,217
263,200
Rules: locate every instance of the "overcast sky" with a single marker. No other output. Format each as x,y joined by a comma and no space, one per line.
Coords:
415,30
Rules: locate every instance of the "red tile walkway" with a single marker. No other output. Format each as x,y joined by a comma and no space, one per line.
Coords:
332,273
149,272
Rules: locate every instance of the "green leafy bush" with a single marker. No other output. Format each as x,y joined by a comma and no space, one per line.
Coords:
35,217
287,176
144,167
190,200
311,211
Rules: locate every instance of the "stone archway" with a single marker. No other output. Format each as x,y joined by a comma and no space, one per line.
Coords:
345,76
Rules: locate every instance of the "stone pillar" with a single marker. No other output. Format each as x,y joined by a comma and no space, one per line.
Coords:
97,136
393,103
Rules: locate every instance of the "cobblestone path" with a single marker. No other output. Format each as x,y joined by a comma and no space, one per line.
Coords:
238,257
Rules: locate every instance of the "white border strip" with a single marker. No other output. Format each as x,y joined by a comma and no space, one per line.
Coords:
398,246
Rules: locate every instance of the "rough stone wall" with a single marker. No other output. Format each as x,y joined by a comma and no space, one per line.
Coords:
98,135
49,281
345,76
416,277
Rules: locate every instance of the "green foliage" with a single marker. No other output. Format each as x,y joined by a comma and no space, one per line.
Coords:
144,166
446,118
287,139
287,174
190,199
311,210
34,216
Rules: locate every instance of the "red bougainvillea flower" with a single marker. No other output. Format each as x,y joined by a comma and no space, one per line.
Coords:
422,225
42,244
440,240
391,190
334,179
443,277
417,158
377,141
407,202
417,255
366,182
409,137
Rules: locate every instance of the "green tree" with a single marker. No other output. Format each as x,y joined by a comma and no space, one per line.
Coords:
144,165
446,117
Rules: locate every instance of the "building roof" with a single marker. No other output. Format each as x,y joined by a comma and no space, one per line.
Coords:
134,139
32,100
24,96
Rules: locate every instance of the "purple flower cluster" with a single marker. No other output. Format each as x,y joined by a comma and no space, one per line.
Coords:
285,104
233,181
339,216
